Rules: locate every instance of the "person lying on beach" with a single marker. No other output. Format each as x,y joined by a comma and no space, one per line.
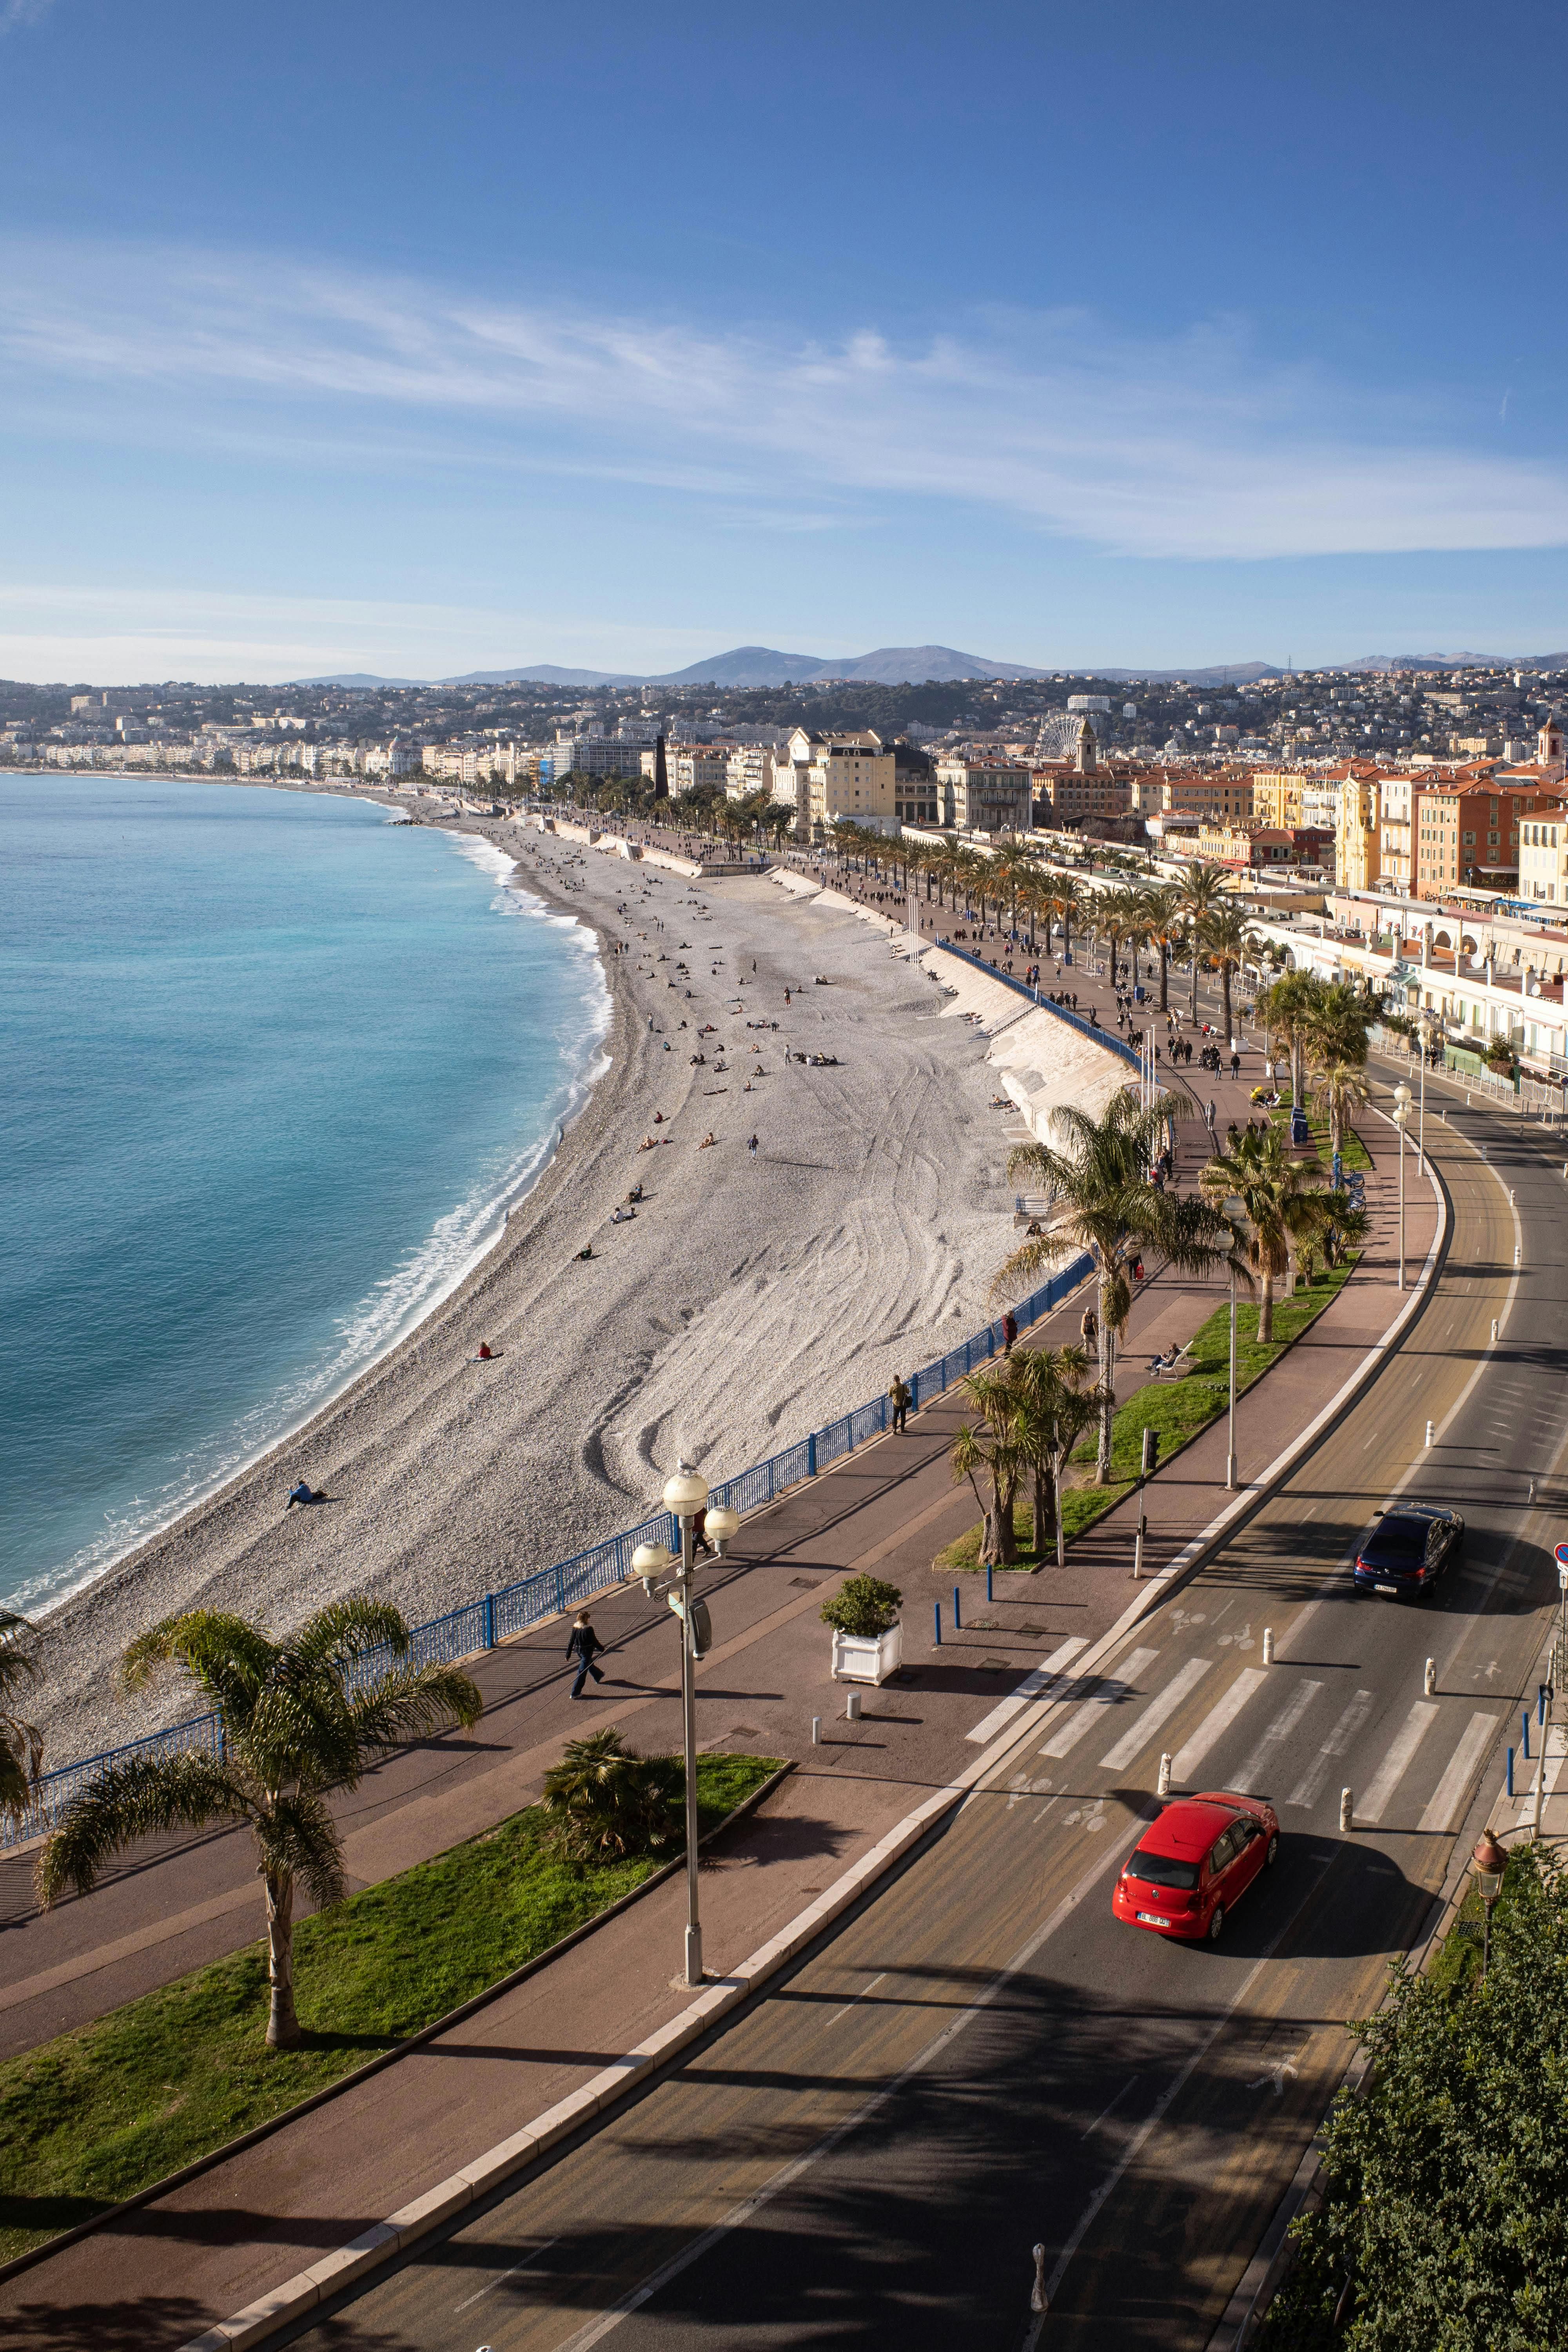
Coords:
587,1253
708,1142
303,1494
485,1354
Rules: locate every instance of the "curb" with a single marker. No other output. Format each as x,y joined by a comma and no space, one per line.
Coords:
489,2172
437,2026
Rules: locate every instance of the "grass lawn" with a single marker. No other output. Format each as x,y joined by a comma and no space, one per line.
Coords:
1177,1409
101,2113
1355,1152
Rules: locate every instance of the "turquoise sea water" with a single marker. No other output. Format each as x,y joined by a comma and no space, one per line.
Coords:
270,1069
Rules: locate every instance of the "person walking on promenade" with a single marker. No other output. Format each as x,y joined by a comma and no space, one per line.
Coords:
1235,1064
900,1399
1089,1328
584,1644
1009,1331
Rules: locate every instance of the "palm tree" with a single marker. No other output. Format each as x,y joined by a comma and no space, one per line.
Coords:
604,1801
1226,937
1067,900
21,1743
1163,923
1051,1410
1104,1203
1202,891
293,1734
1291,1007
1282,1206
1339,1091
989,1446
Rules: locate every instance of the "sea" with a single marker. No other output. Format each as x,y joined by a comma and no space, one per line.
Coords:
272,1069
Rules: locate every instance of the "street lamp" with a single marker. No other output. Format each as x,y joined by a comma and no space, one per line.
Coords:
686,1497
1491,1861
1402,1101
1230,1444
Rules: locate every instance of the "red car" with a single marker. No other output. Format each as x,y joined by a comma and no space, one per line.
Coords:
1196,1862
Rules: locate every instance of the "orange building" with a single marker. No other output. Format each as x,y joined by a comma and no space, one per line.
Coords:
1465,831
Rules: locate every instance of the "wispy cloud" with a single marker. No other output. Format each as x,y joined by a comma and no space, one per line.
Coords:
16,13
1195,446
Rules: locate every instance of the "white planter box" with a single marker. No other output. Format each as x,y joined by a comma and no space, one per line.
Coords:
862,1658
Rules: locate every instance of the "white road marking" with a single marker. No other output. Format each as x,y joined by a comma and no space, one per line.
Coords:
1446,1796
1033,1685
1116,2102
1305,1791
1157,1712
1216,1723
1396,1763
1276,2075
1254,1773
859,1997
1089,1711
501,2281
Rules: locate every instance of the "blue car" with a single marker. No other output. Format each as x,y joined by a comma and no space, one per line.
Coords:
1406,1550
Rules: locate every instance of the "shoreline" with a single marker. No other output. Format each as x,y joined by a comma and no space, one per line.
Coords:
594,1065
862,1243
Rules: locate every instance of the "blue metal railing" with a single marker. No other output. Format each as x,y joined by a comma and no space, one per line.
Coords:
511,1609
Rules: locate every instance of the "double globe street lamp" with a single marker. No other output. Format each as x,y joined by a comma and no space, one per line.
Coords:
686,1497
1403,1099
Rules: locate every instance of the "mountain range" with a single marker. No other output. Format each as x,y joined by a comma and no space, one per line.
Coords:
764,665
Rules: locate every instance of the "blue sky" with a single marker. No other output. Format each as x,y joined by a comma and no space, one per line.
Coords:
422,339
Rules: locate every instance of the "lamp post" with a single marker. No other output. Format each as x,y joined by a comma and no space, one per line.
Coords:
684,1496
1230,1444
1402,1101
1491,1861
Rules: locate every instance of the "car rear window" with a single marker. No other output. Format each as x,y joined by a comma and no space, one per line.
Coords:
1399,1538
1162,1869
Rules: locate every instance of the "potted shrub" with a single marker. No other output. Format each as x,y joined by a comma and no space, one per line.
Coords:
867,1632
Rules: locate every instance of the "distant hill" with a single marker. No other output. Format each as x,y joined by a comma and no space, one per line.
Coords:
358,678
543,674
1458,661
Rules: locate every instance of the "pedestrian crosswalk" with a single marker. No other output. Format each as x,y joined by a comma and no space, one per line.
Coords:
1398,1760
1254,1775
1158,1711
1308,1788
1451,1789
1216,1723
1089,1712
1037,1684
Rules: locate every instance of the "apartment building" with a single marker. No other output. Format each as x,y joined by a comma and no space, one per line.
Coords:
1066,796
1544,852
749,769
690,765
1222,795
1358,834
1465,830
978,796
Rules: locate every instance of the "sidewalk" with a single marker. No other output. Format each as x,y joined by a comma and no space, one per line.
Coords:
228,2236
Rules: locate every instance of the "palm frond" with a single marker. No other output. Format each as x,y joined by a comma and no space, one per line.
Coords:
142,1798
337,1634
229,1659
18,1663
299,1839
415,1703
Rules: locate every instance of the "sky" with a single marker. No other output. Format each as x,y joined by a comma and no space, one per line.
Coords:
419,340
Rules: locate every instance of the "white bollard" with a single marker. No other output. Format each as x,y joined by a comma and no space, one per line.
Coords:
1494,1331
1518,1248
1429,1681
1347,1809
1162,1785
816,1731
852,1707
1431,1431
1269,1646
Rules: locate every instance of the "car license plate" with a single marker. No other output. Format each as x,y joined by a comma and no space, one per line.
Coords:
1386,1587
1151,1920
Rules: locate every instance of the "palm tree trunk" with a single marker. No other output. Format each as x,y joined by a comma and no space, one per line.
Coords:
1265,1305
1194,983
1224,999
1298,1070
282,2024
1060,1473
1006,1546
1045,1510
1165,976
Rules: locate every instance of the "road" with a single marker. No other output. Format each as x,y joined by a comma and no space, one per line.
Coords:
981,2058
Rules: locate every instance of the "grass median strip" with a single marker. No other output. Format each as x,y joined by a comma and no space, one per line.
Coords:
92,2118
1178,1409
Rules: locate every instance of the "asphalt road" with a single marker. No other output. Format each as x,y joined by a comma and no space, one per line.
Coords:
981,2058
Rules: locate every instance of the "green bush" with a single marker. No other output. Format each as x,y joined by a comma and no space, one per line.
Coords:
865,1607
604,1802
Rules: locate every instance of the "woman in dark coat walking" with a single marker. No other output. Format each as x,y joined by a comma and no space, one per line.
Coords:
584,1644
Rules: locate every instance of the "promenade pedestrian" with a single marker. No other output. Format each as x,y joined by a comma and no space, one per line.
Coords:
900,1398
1089,1328
1009,1331
584,1644
1235,1064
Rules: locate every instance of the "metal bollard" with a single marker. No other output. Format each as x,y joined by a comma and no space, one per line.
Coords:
852,1707
1431,1431
1162,1785
1508,1780
1347,1809
1540,1700
936,1613
1429,1680
957,1613
990,1592
816,1731
1524,1720
1269,1646
1494,1331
